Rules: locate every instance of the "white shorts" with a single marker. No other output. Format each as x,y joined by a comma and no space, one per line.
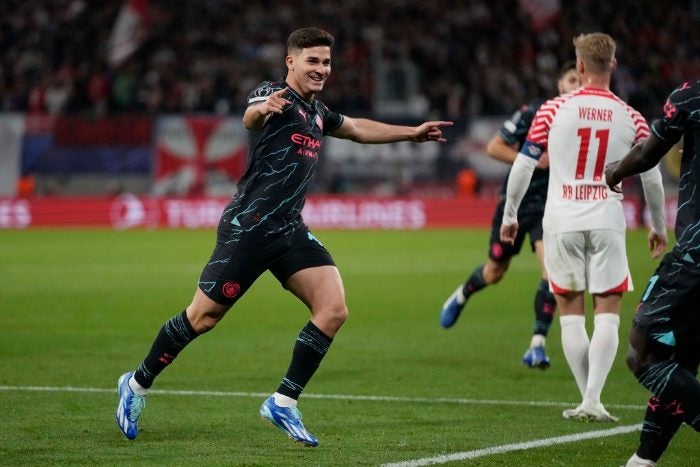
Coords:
591,260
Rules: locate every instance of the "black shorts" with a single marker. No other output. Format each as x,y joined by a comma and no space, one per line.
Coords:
529,223
236,264
669,311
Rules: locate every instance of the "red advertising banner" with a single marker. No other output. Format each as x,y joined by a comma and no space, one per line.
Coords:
325,212
129,211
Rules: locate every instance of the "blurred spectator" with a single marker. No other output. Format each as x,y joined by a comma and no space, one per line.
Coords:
478,57
467,182
98,90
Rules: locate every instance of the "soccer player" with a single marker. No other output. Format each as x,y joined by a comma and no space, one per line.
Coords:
584,224
665,338
504,146
262,229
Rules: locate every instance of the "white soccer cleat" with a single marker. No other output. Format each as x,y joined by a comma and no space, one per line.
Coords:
589,412
636,461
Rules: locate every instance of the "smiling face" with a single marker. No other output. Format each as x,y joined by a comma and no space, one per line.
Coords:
308,69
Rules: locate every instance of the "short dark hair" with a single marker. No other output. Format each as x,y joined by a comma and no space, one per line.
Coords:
566,67
309,37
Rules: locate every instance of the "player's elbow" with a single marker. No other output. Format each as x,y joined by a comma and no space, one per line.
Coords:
492,147
250,123
253,118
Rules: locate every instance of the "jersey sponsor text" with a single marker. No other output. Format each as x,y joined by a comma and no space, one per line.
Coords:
584,192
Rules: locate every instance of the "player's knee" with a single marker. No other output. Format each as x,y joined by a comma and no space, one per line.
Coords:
494,272
496,277
333,316
205,321
339,313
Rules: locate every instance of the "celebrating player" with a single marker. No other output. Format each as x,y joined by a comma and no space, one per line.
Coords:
262,229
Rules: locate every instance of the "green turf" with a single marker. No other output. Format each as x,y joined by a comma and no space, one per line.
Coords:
78,308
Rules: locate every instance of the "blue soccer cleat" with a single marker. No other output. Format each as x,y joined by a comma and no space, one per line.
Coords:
535,357
452,308
287,419
129,407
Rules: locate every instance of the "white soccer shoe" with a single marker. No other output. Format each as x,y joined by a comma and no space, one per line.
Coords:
589,412
636,461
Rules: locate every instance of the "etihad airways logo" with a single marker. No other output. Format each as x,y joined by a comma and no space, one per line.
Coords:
309,146
306,141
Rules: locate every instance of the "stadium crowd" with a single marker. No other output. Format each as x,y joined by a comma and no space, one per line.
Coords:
473,58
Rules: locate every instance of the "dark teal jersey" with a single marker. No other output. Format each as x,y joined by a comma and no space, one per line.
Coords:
282,158
514,132
682,119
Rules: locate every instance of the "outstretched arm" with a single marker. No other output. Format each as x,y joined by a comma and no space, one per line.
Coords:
367,131
642,157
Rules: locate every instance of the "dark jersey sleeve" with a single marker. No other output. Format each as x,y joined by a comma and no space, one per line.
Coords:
681,103
514,130
331,120
262,91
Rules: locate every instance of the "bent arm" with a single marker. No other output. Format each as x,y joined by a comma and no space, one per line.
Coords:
500,150
254,117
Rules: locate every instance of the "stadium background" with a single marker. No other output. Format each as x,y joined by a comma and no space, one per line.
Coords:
148,134
132,108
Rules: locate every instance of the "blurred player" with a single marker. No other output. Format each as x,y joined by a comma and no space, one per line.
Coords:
262,229
584,223
503,147
665,338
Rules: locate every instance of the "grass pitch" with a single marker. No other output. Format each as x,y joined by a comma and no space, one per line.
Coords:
78,308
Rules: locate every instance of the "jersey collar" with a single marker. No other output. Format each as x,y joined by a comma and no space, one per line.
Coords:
308,105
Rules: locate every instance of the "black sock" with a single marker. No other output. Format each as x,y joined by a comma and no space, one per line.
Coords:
175,334
545,304
661,422
475,282
310,348
673,384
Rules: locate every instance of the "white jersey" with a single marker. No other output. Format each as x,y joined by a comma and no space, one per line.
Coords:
583,131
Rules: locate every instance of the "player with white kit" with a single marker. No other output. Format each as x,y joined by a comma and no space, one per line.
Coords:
584,223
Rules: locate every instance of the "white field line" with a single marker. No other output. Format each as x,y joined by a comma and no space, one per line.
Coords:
537,443
440,400
427,400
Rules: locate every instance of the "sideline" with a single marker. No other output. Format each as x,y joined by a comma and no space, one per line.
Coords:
427,400
538,443
459,456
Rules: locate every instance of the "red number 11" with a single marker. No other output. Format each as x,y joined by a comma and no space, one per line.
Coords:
585,135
